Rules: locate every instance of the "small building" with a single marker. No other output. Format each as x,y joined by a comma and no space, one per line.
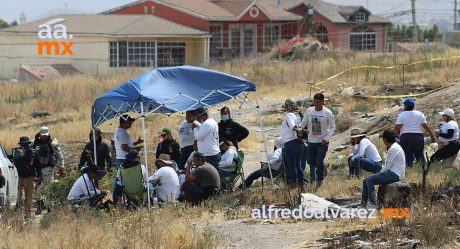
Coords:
103,43
237,27
45,72
342,26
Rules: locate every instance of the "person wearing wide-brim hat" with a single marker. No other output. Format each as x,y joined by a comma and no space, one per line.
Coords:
448,138
365,155
409,126
166,179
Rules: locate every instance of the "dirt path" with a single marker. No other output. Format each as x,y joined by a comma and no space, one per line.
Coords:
263,234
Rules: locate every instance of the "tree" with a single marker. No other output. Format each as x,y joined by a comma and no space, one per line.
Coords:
3,24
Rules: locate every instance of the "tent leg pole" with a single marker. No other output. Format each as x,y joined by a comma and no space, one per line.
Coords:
144,135
263,136
94,147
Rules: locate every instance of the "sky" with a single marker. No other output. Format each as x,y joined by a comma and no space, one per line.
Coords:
10,10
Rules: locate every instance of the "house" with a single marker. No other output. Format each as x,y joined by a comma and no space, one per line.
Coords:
237,27
345,27
103,43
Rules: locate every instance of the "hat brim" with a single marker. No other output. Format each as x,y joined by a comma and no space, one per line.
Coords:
443,113
164,161
358,135
45,134
28,142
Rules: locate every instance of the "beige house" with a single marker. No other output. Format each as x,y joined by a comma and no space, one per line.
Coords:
99,44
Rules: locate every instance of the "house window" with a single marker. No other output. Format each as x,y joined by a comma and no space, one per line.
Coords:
363,39
271,35
235,38
132,54
360,17
322,34
216,36
171,54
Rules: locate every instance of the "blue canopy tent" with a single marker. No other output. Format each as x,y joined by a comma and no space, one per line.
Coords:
173,89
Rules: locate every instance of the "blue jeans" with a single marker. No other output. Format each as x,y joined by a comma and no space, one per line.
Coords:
117,189
213,160
381,178
184,155
413,145
303,157
119,162
359,163
292,153
316,152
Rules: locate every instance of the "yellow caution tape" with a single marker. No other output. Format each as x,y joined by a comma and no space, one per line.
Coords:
384,67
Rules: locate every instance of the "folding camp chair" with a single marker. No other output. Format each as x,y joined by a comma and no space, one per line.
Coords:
280,177
132,184
231,181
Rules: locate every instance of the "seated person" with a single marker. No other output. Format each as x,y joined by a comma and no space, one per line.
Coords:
132,160
85,186
365,155
229,159
393,170
448,139
202,184
275,160
166,180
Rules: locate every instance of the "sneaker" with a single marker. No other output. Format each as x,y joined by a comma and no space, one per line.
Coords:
371,206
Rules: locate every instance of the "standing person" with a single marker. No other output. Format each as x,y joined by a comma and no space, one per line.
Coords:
409,127
321,126
393,170
292,146
201,184
27,172
187,138
166,180
47,155
229,129
103,153
366,156
206,133
123,145
168,146
448,137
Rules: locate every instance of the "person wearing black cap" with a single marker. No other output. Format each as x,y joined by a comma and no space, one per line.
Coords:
206,132
392,171
85,185
409,127
229,129
123,142
27,172
102,153
169,146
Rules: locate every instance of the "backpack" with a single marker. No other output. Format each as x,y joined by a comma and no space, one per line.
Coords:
46,155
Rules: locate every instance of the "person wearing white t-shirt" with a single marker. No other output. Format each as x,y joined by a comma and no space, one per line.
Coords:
409,127
365,156
187,138
320,123
166,179
448,137
206,131
392,171
292,146
229,159
123,145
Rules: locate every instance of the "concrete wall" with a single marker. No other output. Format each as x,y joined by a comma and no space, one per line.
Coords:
91,53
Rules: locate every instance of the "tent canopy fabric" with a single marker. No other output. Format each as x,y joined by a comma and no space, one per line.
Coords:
168,90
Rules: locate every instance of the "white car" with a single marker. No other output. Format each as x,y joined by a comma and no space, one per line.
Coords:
9,192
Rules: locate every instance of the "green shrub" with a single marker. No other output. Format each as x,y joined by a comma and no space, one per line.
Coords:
58,190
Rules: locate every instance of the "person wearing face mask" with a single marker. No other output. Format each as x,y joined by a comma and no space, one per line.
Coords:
229,129
229,160
206,133
168,146
187,139
103,153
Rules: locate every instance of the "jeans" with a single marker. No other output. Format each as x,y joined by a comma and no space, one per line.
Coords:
412,144
258,174
381,178
449,150
213,160
303,157
184,155
195,194
355,165
292,153
316,152
117,189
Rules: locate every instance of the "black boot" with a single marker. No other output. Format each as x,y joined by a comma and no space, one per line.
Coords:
40,205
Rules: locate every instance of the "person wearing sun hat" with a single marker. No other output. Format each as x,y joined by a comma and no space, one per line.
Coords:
448,137
409,126
365,154
166,179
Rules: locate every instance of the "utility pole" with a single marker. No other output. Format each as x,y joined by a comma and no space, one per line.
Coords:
414,23
455,15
